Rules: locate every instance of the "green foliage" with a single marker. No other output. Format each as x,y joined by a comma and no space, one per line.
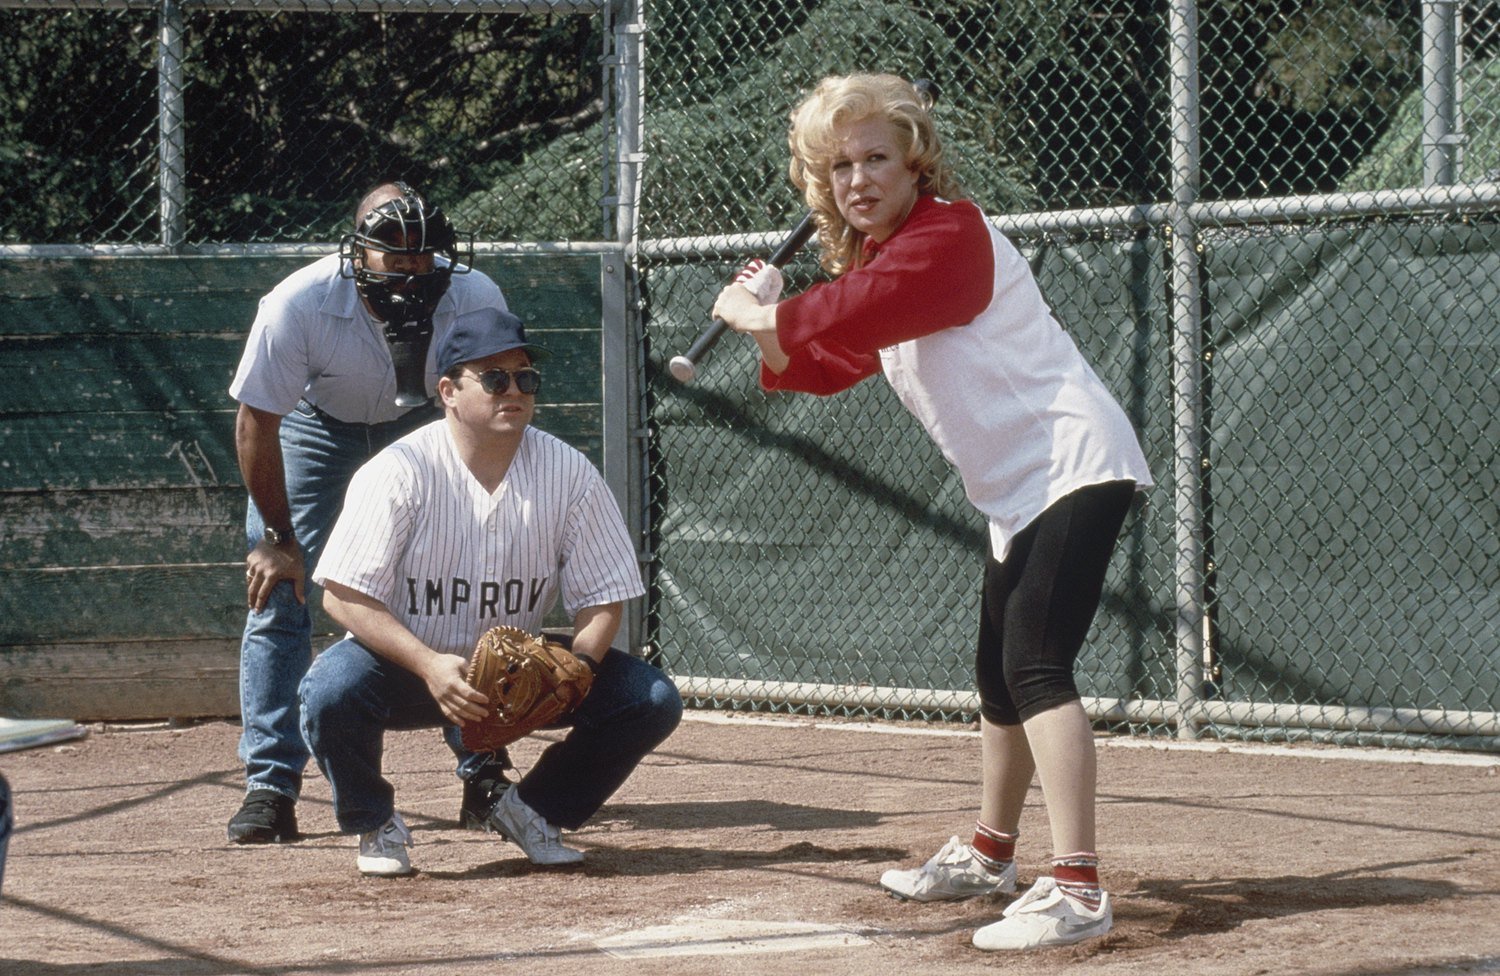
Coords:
500,118
552,193
1396,161
77,134
720,166
1338,56
289,117
438,101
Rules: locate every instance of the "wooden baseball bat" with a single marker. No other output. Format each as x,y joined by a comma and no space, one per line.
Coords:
685,367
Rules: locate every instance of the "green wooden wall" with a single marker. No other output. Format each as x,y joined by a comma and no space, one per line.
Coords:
121,504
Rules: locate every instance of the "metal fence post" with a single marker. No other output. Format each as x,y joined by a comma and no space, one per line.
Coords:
171,153
624,374
1441,138
627,26
1187,365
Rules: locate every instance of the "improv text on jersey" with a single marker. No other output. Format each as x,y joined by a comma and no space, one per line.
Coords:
491,598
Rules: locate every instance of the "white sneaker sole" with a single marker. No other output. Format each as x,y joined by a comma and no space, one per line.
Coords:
383,867
997,938
552,860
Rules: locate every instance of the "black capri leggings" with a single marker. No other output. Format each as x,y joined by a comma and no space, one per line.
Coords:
1037,606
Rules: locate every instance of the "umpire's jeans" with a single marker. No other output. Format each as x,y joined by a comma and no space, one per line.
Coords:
319,455
351,696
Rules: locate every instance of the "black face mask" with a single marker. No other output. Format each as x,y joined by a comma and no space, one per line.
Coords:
405,302
400,298
406,225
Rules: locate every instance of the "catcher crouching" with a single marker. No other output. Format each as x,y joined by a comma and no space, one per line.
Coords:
452,545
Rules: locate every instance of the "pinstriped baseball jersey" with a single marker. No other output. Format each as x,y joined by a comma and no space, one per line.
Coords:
419,533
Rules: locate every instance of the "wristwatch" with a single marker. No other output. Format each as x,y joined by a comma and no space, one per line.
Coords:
277,536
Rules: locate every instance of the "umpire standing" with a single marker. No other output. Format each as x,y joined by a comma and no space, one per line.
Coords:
337,366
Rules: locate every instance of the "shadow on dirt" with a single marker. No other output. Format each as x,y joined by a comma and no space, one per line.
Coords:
715,814
1176,909
604,862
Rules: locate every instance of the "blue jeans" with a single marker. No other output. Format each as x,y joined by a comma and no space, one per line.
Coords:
351,696
319,455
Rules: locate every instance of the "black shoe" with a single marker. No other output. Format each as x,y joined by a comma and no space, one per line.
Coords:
266,817
483,790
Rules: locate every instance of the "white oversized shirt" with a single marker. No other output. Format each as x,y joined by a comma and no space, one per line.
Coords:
949,310
419,533
314,339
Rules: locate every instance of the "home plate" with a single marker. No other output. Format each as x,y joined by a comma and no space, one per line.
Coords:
727,936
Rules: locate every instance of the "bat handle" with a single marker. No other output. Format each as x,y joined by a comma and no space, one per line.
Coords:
685,367
794,241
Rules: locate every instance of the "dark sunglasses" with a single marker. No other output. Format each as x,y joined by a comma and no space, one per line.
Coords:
496,381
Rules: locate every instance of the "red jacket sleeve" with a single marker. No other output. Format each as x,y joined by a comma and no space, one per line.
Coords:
934,273
821,368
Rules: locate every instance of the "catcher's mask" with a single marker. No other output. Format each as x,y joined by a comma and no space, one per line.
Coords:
407,224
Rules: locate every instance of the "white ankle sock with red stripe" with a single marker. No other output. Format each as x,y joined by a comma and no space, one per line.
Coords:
995,849
1077,876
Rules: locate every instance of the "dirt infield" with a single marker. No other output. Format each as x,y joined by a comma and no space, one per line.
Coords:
750,847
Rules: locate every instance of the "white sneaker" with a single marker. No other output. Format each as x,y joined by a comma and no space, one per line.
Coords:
953,873
514,820
1044,916
383,852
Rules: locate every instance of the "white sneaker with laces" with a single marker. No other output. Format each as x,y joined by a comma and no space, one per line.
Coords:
1044,916
514,820
953,873
383,852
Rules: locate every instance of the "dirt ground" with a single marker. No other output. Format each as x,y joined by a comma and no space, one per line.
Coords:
752,846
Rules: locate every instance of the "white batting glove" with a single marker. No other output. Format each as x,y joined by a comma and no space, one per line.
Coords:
763,280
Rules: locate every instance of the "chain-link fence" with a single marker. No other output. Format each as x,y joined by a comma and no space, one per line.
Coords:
207,123
1269,225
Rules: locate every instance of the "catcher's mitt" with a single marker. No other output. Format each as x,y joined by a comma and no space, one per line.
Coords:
529,681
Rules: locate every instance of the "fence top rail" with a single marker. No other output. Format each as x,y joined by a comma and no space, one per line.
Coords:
32,252
328,6
1218,214
1414,202
1475,197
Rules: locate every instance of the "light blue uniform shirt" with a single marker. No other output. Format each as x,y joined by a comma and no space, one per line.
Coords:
314,340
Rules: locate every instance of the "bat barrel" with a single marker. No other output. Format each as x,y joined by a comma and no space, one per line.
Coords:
685,367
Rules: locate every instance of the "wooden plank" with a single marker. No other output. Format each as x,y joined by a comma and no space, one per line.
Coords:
62,452
109,604
542,288
124,681
120,528
132,373
126,603
118,450
117,373
102,295
121,509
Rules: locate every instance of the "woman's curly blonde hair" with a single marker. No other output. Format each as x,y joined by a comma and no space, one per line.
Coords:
842,100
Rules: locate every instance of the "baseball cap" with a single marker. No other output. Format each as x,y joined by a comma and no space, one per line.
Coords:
482,334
